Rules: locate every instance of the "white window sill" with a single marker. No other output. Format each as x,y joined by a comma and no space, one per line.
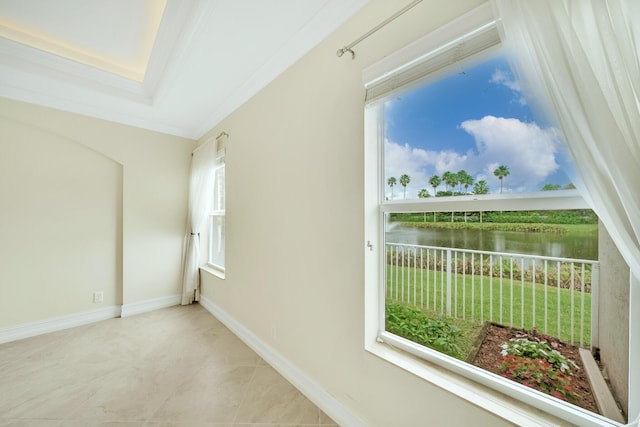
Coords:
214,270
495,402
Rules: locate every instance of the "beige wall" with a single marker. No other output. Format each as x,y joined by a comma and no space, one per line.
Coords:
87,205
295,230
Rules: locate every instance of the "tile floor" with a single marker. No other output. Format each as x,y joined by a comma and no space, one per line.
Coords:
172,367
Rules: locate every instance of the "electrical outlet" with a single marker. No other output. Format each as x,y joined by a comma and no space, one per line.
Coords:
98,297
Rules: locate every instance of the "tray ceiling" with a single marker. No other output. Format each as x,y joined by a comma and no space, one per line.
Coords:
174,66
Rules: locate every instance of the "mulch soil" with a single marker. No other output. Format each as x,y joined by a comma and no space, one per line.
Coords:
489,358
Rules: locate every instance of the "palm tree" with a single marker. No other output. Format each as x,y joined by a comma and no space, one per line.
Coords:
391,182
435,181
423,194
446,178
451,180
481,187
551,187
465,179
461,174
454,179
501,171
404,180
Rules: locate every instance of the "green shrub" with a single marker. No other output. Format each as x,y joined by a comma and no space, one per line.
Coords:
417,326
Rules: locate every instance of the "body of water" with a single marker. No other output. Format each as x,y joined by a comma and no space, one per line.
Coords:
566,245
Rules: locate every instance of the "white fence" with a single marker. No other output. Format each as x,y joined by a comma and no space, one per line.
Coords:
557,296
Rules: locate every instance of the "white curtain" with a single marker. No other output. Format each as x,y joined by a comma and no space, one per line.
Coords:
200,200
581,60
581,57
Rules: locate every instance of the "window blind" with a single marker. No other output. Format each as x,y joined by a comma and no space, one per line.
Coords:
433,62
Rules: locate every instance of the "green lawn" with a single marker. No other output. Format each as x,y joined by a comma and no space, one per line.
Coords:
484,298
500,226
580,228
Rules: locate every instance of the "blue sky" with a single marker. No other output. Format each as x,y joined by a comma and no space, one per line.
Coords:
474,120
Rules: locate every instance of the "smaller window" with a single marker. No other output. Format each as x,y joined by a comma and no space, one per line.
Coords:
217,217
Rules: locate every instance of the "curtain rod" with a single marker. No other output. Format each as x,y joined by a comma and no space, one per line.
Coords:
349,47
223,133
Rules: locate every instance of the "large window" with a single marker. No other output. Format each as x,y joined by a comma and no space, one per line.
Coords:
475,232
217,217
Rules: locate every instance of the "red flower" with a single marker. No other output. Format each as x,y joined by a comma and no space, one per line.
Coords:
556,393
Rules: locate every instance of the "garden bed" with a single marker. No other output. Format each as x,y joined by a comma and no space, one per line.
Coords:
489,357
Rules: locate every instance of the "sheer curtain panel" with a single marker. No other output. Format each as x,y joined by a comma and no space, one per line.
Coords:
200,200
580,59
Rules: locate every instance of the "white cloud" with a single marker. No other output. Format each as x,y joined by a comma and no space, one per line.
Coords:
526,149
500,77
420,165
404,159
506,79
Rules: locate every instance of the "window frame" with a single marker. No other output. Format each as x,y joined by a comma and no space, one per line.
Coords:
517,402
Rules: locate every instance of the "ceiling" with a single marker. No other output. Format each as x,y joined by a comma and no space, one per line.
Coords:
173,66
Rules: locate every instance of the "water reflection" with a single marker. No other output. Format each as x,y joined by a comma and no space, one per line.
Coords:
567,245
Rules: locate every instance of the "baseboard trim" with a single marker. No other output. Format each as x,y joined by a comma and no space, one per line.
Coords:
318,395
150,305
26,330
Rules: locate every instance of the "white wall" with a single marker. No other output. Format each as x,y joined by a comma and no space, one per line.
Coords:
86,205
613,315
295,228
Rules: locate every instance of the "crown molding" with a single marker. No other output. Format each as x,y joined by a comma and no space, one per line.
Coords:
176,28
182,19
198,72
35,62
